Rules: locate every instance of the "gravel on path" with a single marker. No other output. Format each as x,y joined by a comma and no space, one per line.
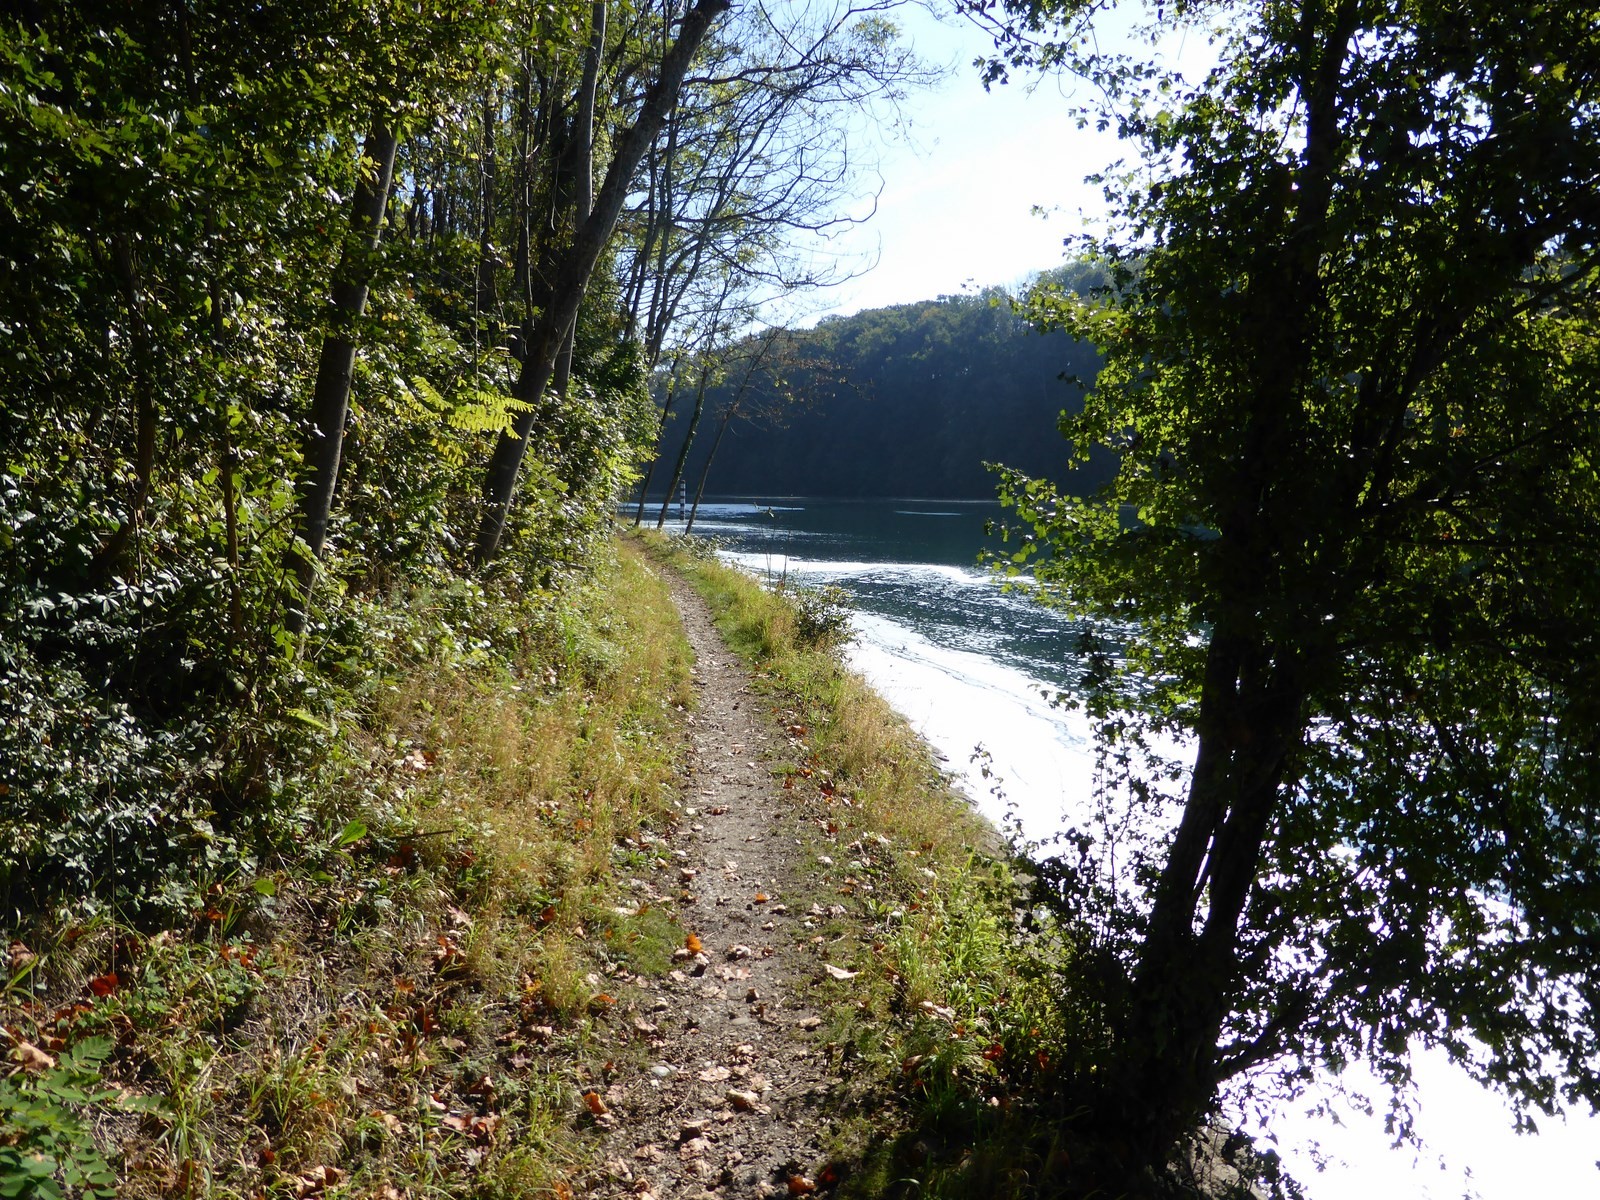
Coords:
726,1103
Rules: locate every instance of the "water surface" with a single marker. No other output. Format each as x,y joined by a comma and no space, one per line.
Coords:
972,668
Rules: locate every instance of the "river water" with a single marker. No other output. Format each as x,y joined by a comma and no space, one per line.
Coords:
972,668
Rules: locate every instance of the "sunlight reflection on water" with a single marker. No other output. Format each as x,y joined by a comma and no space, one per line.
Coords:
966,664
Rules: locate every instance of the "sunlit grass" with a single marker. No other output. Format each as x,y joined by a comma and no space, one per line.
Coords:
956,1015
399,1003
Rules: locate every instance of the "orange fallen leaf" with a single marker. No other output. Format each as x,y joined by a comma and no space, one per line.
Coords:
799,1185
597,1106
693,944
104,985
762,897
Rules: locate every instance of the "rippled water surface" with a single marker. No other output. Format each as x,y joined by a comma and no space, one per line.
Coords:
970,664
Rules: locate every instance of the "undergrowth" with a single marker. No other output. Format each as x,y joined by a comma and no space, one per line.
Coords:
973,1011
397,1000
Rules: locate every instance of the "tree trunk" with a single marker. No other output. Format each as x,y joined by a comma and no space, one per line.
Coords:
1261,651
583,201
486,298
688,440
576,266
330,403
661,433
705,471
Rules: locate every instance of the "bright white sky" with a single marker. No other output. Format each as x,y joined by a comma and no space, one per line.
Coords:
957,212
983,187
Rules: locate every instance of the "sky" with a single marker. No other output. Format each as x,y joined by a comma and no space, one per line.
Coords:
983,191
980,188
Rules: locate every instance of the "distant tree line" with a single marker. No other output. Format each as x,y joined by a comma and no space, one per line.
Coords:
911,400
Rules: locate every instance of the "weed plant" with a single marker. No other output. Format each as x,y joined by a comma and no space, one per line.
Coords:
398,999
974,1006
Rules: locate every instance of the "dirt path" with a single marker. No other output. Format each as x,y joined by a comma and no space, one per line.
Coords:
725,1104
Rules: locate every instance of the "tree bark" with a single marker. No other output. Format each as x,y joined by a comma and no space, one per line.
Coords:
577,265
688,441
1260,653
583,197
330,402
661,433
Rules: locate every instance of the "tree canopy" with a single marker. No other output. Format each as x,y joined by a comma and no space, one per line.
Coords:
1351,550
906,401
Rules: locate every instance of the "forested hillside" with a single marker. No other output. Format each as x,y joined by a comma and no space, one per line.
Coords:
903,401
325,336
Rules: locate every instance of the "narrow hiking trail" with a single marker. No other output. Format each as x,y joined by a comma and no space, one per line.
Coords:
721,1094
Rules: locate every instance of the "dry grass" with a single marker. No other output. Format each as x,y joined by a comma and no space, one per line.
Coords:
408,1012
954,1018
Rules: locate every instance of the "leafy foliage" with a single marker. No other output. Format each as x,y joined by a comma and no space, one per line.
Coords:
46,1150
1351,544
908,401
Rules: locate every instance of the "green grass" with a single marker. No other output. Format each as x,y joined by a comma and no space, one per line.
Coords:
401,1002
953,1032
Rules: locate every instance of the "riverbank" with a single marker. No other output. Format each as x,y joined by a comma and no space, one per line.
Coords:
671,905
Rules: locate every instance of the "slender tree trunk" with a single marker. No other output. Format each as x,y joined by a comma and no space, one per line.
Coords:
1250,722
110,555
486,298
576,266
330,402
661,433
705,471
583,199
688,441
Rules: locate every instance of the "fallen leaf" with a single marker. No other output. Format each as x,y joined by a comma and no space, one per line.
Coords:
809,1022
799,1185
713,1074
737,951
693,944
21,957
597,1106
743,1101
104,985
762,897
839,972
34,1059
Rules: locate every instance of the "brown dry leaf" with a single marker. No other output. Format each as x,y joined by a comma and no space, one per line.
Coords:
309,1183
713,1075
21,956
388,1120
597,1106
809,1022
839,972
693,1148
799,1185
644,1027
32,1058
738,951
743,1101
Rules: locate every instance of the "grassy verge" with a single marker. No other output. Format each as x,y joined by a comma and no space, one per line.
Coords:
953,1030
401,1001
